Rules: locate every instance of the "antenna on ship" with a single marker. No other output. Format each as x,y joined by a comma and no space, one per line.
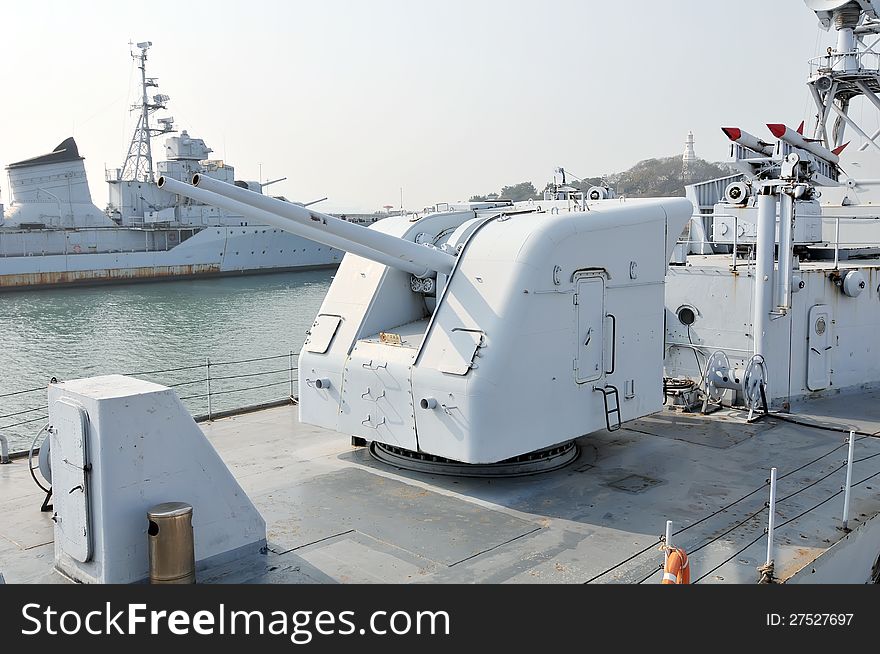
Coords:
138,164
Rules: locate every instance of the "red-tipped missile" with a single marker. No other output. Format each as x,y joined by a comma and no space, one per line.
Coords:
841,148
800,129
747,140
794,139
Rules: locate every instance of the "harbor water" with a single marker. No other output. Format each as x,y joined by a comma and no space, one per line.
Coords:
168,332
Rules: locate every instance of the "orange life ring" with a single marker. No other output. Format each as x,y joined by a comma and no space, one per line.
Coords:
677,570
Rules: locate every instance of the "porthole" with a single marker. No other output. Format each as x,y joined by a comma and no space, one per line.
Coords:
686,316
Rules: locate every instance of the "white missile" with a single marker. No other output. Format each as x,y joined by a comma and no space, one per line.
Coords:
747,140
794,139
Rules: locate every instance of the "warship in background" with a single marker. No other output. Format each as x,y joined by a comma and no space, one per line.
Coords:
544,398
53,234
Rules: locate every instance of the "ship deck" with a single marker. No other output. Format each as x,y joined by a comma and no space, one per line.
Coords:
334,514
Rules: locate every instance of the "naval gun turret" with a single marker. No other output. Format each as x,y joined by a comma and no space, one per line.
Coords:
482,332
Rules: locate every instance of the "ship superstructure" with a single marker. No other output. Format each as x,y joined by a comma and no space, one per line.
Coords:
781,290
53,234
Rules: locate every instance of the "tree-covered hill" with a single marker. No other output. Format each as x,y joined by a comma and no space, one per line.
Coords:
649,178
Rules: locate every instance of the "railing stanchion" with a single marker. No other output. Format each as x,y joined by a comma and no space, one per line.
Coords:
771,523
290,372
846,493
208,383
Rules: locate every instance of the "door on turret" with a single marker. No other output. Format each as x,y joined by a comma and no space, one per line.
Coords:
590,302
69,453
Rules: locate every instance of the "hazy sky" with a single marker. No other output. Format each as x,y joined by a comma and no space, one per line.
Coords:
354,100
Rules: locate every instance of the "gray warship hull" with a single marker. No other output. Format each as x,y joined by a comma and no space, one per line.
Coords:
36,259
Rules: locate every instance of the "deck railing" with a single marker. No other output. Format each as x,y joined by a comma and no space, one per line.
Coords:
209,390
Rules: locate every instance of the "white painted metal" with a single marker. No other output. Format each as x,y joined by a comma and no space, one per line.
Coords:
819,340
305,230
590,353
71,485
854,283
771,521
723,303
143,449
795,139
847,488
739,223
457,356
377,396
668,539
786,251
764,270
524,284
55,194
750,141
426,256
321,333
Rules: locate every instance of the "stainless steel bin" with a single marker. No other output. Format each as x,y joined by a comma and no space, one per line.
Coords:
172,551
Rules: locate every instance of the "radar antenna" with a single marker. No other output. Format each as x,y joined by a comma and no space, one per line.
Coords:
138,164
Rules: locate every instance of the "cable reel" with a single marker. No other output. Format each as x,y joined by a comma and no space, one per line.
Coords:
754,382
719,376
750,382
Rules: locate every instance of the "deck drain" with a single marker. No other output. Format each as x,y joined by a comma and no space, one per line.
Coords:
551,458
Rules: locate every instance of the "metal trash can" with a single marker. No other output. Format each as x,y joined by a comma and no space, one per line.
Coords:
172,552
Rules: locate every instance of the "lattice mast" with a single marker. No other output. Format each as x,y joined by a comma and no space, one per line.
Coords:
138,164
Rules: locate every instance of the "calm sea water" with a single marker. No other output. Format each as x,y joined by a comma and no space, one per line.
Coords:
142,328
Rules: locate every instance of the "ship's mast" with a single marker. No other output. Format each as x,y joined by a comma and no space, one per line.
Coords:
849,70
138,164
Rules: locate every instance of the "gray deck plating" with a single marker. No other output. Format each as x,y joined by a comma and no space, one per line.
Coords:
337,515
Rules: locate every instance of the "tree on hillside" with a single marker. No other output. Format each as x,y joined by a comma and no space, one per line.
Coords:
517,193
520,192
663,177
